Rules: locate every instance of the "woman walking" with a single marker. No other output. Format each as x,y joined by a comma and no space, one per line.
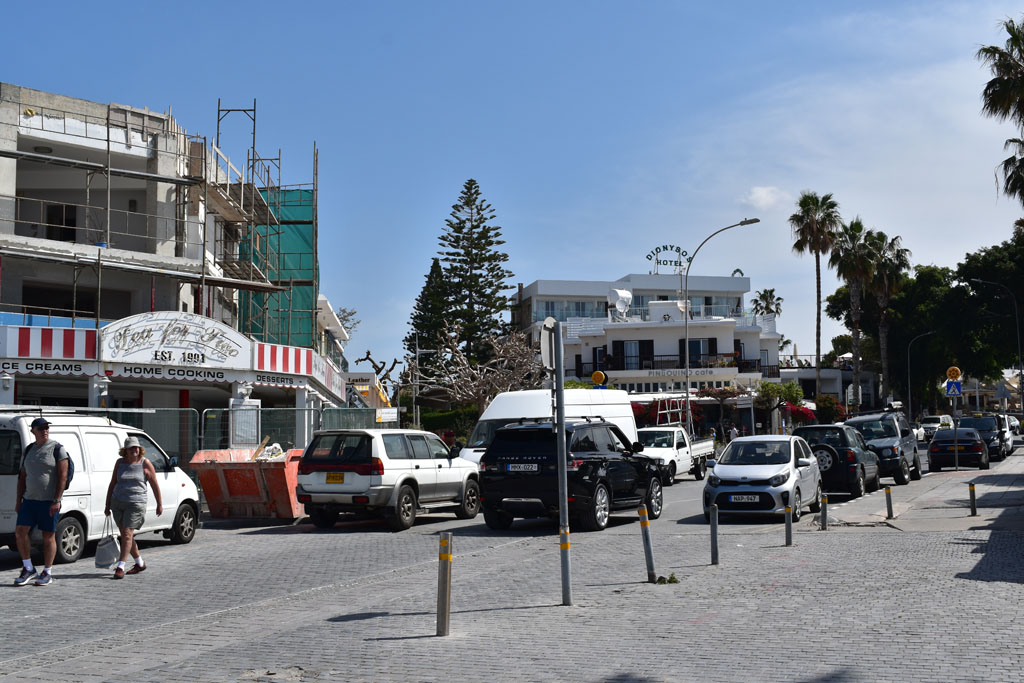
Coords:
126,499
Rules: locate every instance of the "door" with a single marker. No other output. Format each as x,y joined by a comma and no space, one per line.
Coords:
425,469
102,447
808,475
449,475
621,473
11,451
169,480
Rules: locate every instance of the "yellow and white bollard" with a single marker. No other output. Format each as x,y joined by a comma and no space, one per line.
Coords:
645,530
444,583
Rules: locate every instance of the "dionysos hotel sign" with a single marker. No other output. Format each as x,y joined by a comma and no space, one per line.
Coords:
176,339
668,255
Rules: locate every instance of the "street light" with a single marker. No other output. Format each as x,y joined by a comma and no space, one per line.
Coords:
1020,368
910,405
684,306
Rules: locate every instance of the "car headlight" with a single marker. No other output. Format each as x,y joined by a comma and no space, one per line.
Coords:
713,481
779,479
888,451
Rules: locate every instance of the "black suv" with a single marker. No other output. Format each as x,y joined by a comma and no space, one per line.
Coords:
889,435
994,430
519,474
844,459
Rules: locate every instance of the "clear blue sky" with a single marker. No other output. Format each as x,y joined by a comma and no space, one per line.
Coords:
596,129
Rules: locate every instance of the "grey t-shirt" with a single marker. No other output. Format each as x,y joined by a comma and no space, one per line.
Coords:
40,468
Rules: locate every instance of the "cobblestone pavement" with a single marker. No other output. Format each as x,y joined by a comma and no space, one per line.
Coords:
290,603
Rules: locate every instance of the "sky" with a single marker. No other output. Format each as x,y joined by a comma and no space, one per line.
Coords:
597,130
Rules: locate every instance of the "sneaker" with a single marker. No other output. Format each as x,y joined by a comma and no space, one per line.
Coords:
136,569
118,573
25,576
44,579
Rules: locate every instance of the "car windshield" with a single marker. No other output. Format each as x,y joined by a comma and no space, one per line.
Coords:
756,453
658,439
815,435
982,424
352,448
483,433
932,420
876,429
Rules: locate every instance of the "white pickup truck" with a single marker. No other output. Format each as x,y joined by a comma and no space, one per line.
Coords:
676,451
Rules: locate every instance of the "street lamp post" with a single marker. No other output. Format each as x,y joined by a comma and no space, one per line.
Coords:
1016,317
684,306
910,405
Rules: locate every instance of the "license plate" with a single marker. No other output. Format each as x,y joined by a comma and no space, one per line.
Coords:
525,467
746,498
335,477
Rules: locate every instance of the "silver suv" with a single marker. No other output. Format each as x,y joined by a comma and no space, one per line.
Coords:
392,472
889,435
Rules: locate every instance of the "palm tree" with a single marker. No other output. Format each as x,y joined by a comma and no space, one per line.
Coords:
891,260
1003,98
814,229
854,261
766,303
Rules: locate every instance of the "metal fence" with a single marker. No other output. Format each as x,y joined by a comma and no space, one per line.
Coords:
175,429
248,427
353,418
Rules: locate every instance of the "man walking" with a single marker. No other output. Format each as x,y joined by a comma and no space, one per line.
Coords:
733,433
41,483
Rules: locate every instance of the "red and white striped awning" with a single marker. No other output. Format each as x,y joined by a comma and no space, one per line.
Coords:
278,358
48,342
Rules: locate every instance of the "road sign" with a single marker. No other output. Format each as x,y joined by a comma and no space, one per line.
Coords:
547,343
599,378
1003,392
953,388
953,373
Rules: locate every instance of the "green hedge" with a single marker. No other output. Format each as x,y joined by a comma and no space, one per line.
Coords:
460,421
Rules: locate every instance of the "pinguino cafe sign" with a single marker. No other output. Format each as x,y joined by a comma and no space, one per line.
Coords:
668,255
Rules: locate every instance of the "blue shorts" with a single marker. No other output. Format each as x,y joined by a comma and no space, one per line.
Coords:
37,513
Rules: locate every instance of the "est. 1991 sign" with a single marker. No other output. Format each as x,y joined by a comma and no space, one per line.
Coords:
172,338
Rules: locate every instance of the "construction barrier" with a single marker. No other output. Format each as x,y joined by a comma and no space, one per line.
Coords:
236,485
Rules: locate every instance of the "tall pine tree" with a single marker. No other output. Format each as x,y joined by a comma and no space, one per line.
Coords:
474,270
428,315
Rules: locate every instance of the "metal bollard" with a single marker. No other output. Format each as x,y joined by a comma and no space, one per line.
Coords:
824,513
789,525
645,530
714,534
974,502
563,544
444,583
888,502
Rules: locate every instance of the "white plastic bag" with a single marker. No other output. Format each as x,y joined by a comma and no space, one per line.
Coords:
108,550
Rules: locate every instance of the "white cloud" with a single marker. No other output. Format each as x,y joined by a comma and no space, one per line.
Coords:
764,198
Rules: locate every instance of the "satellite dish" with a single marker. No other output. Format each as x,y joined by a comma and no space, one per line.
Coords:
621,299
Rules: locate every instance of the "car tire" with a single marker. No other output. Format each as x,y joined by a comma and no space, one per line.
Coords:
499,521
859,487
470,505
915,473
702,470
404,514
903,476
70,539
816,505
797,504
983,462
670,478
185,524
826,456
595,518
655,499
322,519
875,483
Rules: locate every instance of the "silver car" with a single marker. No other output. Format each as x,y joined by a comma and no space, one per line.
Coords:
761,475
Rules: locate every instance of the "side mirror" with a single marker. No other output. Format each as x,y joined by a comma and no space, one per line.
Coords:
173,462
454,452
710,463
803,462
637,447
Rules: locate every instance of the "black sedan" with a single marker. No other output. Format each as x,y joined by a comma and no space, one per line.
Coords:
950,447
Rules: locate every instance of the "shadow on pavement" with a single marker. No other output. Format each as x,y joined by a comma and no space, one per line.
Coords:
1001,558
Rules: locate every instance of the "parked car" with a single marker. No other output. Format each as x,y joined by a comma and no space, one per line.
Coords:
762,475
994,430
92,444
396,473
918,430
1014,424
889,435
605,473
968,447
676,452
844,459
933,422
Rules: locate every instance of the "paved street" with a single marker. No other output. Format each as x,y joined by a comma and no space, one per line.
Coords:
932,595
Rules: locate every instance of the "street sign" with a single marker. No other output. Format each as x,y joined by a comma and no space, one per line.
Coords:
953,388
953,373
1003,392
547,344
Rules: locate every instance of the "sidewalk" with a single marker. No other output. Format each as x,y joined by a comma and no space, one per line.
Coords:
941,501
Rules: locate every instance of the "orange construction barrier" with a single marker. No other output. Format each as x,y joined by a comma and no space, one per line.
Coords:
235,485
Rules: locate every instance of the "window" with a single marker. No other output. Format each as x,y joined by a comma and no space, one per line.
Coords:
396,447
11,451
437,447
583,441
153,453
348,448
631,351
419,448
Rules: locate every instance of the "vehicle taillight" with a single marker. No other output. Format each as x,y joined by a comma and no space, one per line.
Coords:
573,465
977,446
933,447
850,456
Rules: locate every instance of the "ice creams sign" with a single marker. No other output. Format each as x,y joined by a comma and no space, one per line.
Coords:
177,339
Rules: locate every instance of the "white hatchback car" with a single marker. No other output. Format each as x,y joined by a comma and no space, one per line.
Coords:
391,472
762,475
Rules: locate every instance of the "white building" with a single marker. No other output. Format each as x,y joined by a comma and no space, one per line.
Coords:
643,348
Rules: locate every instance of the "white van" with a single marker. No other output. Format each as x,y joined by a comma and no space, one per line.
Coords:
92,444
511,406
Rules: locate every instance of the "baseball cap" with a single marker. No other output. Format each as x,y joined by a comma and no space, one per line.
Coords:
39,423
132,442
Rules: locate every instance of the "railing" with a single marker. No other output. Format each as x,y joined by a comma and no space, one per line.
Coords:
30,316
639,313
674,362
